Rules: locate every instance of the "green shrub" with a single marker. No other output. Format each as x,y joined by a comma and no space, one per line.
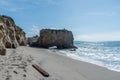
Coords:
1,19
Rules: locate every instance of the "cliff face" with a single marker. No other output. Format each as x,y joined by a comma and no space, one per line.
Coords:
59,38
11,35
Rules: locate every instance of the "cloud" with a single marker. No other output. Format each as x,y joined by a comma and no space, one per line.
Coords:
10,6
20,5
100,14
12,9
54,2
41,2
34,30
98,37
4,3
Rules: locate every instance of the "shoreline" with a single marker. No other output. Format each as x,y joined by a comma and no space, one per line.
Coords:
86,61
71,68
60,67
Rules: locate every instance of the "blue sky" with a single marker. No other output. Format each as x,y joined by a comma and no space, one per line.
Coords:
89,20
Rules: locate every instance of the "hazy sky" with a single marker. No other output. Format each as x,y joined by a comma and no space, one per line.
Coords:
89,20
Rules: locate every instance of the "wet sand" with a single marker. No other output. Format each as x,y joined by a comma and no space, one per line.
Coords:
17,65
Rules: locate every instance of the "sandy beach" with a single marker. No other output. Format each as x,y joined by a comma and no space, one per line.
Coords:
17,65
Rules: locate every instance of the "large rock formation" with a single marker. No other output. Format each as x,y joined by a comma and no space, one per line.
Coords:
59,38
11,35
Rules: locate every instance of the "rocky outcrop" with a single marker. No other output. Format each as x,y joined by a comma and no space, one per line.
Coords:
20,36
11,35
59,38
32,40
2,47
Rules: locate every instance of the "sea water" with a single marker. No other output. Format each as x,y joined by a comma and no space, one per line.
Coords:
105,54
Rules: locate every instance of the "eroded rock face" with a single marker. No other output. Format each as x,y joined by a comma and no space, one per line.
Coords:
11,35
32,40
2,46
59,38
20,36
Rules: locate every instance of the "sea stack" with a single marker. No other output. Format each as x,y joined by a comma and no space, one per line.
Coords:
51,37
11,35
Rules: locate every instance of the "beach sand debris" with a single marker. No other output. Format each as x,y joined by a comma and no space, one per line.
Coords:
14,66
43,72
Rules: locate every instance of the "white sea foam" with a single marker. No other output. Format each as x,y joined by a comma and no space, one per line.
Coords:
101,55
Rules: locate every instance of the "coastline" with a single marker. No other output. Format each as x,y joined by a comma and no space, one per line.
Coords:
61,67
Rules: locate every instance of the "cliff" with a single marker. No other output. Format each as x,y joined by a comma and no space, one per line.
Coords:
59,38
11,35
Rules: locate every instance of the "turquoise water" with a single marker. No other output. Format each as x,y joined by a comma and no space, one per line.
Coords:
105,54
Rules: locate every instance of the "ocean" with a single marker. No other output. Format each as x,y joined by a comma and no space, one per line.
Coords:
105,54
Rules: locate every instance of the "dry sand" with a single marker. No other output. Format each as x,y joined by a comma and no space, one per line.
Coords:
16,65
